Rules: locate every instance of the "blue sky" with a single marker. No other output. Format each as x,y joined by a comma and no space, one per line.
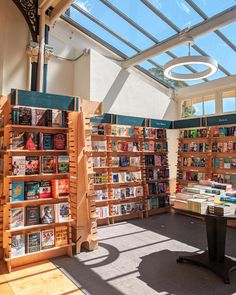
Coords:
178,11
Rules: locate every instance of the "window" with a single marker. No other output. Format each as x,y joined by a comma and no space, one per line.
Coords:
209,105
199,106
229,101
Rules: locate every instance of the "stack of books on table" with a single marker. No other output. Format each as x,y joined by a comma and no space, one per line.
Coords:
222,210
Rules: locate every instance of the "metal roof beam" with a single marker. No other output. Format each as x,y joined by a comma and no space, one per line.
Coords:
224,18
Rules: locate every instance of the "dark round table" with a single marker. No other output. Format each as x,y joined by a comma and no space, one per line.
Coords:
214,258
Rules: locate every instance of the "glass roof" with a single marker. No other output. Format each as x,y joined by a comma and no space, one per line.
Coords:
131,26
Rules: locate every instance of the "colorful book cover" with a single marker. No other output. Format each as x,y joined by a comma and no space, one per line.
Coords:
17,141
25,116
31,190
39,117
17,217
63,164
60,187
139,191
124,161
47,214
46,141
18,165
31,165
15,115
17,192
48,164
31,140
56,118
45,190
33,242
61,236
32,215
17,245
62,212
59,141
47,239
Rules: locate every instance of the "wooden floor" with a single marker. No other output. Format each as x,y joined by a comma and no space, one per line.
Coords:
42,278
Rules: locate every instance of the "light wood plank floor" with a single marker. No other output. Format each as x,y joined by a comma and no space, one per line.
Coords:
42,278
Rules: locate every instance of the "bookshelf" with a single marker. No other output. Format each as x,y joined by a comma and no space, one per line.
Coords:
217,147
119,154
36,218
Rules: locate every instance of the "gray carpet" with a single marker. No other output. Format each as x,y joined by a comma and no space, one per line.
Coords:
139,258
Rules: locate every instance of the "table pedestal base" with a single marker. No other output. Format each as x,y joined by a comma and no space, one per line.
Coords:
222,269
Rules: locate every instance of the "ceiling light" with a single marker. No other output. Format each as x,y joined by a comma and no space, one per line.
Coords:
207,61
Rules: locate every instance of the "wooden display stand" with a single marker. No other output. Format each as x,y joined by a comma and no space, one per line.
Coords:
111,201
84,230
210,171
8,152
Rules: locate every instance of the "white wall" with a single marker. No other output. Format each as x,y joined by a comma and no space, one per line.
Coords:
13,40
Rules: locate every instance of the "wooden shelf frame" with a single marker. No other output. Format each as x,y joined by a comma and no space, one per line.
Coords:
109,186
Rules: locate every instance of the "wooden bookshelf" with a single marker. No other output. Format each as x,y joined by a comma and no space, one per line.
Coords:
217,143
111,140
9,179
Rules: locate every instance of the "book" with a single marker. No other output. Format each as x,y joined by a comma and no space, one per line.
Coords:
25,116
31,141
17,140
60,187
32,190
47,214
31,165
17,217
46,141
139,191
59,141
64,119
45,190
33,242
56,118
32,215
62,212
17,245
40,117
61,236
48,164
101,195
15,115
134,161
17,192
18,165
115,161
63,164
47,239
124,161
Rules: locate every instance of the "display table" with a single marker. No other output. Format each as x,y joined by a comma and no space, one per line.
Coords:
214,258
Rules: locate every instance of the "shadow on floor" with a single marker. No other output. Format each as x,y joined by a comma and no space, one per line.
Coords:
185,229
161,272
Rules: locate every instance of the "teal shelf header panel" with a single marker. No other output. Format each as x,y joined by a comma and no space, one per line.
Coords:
132,121
188,123
221,120
105,118
160,124
44,100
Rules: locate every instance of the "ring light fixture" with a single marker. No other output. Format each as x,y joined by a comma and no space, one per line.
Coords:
207,61
188,60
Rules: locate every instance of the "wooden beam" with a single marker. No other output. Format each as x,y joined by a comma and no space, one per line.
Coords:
61,7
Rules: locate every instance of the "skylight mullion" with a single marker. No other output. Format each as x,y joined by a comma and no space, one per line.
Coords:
202,52
129,20
92,18
160,15
217,32
134,24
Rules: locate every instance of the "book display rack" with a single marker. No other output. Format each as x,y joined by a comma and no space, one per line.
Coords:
36,186
207,153
131,175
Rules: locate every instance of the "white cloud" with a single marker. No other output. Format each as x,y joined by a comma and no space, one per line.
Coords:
85,5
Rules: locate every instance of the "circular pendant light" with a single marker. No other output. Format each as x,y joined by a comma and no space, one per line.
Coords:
206,61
